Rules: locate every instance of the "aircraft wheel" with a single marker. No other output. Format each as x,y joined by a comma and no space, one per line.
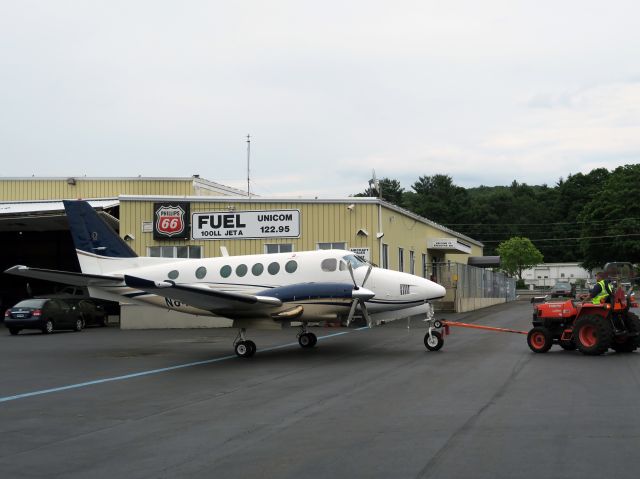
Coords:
306,340
244,349
433,341
252,348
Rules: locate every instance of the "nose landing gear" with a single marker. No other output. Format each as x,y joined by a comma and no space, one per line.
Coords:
434,339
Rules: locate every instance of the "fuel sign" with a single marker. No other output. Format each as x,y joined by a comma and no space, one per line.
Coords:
227,225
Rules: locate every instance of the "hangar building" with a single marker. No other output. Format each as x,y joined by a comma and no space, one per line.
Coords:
214,218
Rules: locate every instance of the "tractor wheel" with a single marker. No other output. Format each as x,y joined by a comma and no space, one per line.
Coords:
630,343
539,339
593,334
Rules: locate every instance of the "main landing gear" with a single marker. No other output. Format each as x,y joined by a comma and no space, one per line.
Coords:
245,348
306,339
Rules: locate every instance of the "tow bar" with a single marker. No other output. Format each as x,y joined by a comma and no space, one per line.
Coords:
434,339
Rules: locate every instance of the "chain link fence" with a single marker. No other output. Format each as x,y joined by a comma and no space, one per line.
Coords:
464,283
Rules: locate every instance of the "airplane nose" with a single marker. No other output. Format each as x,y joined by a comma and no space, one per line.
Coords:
433,290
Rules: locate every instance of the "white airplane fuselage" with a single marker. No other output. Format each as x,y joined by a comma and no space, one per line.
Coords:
253,274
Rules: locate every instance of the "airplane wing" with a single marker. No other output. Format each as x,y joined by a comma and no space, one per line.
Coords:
204,297
65,277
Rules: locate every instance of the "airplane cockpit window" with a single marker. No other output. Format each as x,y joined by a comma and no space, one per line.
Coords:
329,264
201,272
343,265
173,274
355,261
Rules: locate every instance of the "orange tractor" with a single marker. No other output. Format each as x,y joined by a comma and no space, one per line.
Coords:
590,328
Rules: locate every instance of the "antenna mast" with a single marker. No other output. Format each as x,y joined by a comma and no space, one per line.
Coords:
248,165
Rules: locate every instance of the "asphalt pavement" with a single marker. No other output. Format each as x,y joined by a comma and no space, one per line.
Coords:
362,403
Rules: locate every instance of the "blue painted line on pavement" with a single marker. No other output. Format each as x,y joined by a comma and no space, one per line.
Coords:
151,371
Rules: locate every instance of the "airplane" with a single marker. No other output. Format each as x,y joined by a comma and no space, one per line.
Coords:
253,290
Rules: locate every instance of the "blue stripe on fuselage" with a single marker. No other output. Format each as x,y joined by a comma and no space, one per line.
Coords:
305,291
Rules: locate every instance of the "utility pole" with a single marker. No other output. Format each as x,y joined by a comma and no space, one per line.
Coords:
248,165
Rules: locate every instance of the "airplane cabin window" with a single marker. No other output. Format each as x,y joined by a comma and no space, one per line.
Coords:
257,269
201,272
291,266
329,264
225,271
241,270
273,268
173,274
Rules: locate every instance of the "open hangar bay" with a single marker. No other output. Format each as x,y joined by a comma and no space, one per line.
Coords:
363,403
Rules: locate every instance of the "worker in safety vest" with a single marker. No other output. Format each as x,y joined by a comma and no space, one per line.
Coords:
602,290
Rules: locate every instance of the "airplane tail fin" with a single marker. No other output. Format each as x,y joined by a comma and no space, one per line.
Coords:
99,248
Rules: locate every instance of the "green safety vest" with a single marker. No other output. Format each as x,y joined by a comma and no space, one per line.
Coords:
604,292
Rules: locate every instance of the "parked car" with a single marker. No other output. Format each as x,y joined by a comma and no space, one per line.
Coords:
77,293
44,314
563,289
93,312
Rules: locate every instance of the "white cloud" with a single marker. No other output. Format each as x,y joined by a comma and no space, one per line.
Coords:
485,92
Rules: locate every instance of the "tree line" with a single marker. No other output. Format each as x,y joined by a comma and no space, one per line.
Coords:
588,218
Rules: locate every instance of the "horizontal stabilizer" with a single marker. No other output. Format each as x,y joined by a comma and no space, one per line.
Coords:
64,277
203,297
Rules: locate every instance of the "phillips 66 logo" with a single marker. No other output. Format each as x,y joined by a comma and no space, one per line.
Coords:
170,220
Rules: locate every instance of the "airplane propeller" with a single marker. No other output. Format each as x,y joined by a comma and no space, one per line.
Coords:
360,295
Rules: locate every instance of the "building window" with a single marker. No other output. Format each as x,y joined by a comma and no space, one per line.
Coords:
401,259
174,251
412,259
424,265
338,245
278,248
385,256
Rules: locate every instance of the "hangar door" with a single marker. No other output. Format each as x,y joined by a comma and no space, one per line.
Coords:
37,234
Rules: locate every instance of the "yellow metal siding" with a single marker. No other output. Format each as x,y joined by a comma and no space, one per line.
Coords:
320,222
401,231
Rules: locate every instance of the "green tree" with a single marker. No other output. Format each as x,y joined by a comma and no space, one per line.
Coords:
391,191
518,254
438,199
611,220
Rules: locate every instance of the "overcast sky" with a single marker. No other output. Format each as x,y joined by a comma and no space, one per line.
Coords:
484,91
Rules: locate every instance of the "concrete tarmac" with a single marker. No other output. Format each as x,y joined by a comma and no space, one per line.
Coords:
363,404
